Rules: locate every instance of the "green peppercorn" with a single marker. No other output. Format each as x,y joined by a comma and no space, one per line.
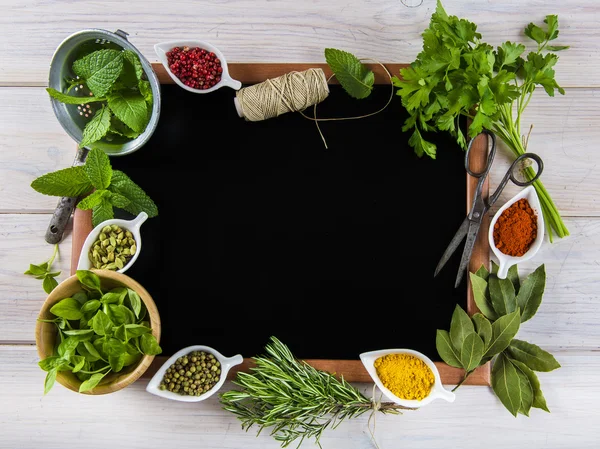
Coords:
192,374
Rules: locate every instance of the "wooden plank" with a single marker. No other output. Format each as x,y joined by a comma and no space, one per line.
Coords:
135,418
566,135
258,32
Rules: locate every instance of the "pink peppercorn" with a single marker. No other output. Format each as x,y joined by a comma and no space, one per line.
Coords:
195,67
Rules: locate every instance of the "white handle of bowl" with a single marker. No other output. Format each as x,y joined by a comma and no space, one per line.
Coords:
230,82
235,360
503,269
446,395
137,221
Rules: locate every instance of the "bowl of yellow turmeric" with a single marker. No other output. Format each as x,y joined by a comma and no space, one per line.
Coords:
406,377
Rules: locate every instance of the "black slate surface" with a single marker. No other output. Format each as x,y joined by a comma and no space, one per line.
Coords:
262,231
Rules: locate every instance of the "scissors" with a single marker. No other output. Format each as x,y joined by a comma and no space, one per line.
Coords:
480,206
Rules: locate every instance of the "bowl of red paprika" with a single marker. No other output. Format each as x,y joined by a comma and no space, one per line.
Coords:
516,231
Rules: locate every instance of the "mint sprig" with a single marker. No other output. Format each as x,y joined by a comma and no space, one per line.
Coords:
356,79
44,272
117,81
101,187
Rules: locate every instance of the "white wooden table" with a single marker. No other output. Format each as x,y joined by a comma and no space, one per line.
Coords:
566,134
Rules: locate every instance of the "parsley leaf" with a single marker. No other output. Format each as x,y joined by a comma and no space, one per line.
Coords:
356,79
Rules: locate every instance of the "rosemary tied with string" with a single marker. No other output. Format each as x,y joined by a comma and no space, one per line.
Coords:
294,399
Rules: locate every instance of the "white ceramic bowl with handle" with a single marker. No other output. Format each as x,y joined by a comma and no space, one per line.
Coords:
132,226
504,260
226,364
437,390
162,48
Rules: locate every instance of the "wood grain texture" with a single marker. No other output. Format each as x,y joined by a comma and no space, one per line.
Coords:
288,30
133,418
566,135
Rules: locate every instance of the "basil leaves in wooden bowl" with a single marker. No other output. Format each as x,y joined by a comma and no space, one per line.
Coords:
97,332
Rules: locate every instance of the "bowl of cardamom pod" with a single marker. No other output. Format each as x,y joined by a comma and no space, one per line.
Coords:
112,245
407,377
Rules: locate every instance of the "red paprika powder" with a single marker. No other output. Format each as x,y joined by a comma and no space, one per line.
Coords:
516,229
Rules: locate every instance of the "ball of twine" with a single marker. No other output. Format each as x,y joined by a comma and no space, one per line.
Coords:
292,92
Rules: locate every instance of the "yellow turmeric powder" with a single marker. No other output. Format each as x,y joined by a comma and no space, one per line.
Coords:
405,375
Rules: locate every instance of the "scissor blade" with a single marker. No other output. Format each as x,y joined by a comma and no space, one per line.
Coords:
467,251
458,237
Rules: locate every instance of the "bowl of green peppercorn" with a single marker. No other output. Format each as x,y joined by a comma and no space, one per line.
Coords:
192,374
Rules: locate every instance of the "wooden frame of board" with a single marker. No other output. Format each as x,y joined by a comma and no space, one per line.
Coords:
350,370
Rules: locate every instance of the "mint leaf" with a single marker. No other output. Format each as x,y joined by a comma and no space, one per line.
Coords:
120,128
133,59
71,181
93,199
96,128
130,108
69,99
100,70
98,169
118,200
102,211
356,79
146,91
139,201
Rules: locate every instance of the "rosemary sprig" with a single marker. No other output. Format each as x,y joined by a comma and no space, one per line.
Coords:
295,399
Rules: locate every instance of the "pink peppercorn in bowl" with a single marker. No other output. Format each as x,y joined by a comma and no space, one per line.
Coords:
196,66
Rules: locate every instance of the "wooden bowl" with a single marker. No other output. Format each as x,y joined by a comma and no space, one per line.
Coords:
46,333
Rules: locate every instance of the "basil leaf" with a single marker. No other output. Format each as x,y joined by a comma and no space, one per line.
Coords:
530,294
539,401
481,296
471,351
79,335
89,279
36,270
81,298
49,284
121,333
460,326
503,331
91,350
52,362
117,362
78,362
67,347
113,297
91,383
484,328
532,355
130,359
506,384
89,308
100,69
149,345
67,308
50,379
502,294
113,347
102,324
135,330
99,346
83,351
120,314
446,350
135,302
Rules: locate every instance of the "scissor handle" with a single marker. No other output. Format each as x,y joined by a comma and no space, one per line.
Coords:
510,175
490,155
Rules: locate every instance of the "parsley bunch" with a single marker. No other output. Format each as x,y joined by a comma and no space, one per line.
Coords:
458,75
101,187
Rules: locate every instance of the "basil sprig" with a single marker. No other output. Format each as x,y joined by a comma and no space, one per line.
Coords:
99,332
489,336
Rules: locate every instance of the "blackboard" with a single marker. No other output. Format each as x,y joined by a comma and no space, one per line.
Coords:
265,229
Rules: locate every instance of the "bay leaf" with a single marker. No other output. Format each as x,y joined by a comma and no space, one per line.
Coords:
471,351
502,295
504,330
460,326
506,384
533,356
531,292
539,401
483,326
446,350
526,392
481,296
513,275
482,273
